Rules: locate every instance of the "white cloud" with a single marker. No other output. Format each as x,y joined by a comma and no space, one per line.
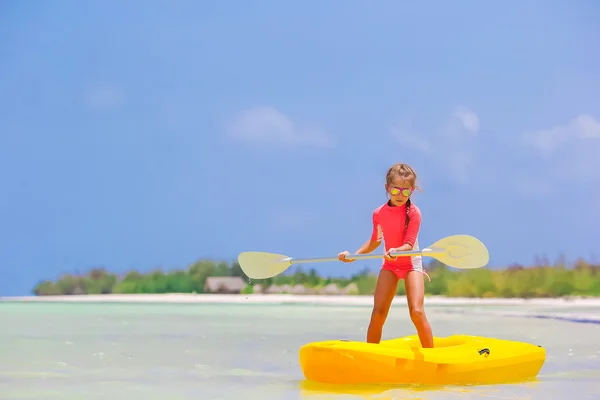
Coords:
468,119
268,125
452,146
568,153
103,97
548,141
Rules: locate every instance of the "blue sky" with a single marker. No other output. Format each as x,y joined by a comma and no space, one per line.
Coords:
142,135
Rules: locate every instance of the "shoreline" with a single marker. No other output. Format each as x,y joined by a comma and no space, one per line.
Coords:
353,300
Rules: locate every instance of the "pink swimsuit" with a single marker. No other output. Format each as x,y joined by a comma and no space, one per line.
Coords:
389,225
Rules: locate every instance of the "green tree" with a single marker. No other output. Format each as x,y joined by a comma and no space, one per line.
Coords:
540,280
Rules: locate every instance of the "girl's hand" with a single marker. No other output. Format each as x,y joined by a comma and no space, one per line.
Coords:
387,255
342,256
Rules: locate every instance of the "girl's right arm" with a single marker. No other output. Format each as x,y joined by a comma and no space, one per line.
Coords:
370,245
366,248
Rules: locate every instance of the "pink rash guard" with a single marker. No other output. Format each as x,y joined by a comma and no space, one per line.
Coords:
389,225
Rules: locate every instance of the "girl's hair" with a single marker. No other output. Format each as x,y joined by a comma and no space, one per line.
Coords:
403,171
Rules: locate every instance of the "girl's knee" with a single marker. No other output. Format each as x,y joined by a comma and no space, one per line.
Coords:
417,312
379,314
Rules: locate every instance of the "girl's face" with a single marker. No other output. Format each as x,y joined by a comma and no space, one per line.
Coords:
399,191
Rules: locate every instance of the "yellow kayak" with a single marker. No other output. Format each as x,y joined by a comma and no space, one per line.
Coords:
457,359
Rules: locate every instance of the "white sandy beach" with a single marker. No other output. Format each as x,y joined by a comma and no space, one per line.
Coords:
299,299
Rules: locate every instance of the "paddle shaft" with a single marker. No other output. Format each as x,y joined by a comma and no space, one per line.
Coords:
425,252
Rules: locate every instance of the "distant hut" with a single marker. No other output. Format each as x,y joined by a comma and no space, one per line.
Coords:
299,289
311,290
285,289
352,288
258,288
331,289
224,284
78,291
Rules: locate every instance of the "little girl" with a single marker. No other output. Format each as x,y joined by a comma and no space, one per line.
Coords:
397,222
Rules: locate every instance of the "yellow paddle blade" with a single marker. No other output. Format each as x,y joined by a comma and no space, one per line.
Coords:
259,265
460,251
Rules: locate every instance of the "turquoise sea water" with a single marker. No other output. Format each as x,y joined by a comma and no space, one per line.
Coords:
250,351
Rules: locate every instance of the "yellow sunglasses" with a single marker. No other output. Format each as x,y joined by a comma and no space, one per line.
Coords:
394,191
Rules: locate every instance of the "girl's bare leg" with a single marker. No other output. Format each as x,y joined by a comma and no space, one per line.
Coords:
415,293
387,283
